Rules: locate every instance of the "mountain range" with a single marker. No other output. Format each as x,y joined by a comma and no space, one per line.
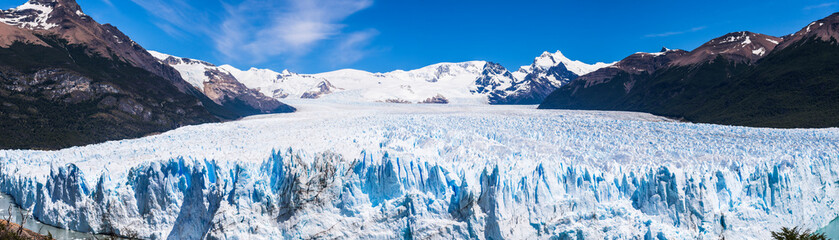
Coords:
741,78
393,170
66,80
473,82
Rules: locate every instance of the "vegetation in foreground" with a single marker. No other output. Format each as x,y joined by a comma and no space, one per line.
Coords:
13,231
797,234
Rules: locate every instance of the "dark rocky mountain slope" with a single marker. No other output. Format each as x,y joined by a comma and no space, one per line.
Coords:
66,80
741,78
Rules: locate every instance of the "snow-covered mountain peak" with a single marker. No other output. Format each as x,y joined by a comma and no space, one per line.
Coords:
30,15
254,73
174,60
258,71
470,82
218,84
41,14
548,72
283,85
443,71
159,55
193,71
451,81
548,60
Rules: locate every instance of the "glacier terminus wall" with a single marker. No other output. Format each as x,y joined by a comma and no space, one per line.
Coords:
386,171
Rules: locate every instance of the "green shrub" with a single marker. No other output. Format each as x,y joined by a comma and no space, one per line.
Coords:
796,234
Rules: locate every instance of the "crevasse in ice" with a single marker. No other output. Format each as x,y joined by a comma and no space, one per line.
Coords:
427,180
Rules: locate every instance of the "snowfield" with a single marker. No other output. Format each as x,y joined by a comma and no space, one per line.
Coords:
472,82
385,171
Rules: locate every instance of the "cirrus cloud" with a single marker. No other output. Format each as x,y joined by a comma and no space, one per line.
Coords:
667,34
258,30
823,5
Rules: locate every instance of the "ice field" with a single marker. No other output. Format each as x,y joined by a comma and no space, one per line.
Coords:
385,171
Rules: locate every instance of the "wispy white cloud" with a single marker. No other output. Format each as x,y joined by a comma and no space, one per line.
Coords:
108,2
178,13
823,5
667,34
170,30
352,48
257,30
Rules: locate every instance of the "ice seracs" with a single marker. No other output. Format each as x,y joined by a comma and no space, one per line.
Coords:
385,171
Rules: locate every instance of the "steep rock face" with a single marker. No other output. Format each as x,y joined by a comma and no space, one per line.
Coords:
493,78
549,60
58,96
227,91
222,87
65,19
534,87
731,80
66,80
547,73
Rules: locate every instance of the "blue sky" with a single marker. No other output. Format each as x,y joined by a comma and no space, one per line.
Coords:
311,36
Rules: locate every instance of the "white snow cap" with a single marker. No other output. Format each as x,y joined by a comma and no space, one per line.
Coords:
15,18
159,55
663,51
192,71
548,60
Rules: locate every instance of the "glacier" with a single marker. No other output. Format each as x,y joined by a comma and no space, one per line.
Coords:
387,171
